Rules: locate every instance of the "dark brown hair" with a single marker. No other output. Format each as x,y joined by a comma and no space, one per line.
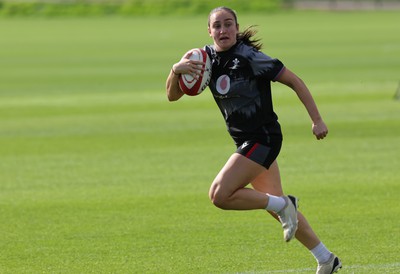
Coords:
246,36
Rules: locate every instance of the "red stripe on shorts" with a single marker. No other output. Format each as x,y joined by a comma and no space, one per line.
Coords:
252,150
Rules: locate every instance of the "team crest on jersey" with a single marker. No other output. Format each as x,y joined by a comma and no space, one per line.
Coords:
223,84
235,64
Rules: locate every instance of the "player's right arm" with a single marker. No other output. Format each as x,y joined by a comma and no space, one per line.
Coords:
174,92
184,66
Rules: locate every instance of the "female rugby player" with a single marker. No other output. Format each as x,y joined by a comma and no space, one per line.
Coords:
241,86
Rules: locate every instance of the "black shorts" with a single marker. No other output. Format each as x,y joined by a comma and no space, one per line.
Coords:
261,152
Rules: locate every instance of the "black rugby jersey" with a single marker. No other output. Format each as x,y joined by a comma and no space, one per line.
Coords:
241,86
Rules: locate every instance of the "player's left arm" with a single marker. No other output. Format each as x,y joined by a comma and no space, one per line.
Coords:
290,79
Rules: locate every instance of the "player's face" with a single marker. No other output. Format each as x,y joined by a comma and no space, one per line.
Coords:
223,29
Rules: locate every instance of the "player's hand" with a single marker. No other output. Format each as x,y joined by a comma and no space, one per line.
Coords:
320,130
187,66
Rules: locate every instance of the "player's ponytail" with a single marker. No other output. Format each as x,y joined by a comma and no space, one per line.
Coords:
247,37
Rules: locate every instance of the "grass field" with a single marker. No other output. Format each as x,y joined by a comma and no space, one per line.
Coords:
100,174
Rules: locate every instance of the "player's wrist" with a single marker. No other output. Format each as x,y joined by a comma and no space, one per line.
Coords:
317,120
174,72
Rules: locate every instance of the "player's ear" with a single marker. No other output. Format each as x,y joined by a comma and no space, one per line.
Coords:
209,31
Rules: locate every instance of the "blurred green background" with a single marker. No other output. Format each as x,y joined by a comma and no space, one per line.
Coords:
178,7
100,174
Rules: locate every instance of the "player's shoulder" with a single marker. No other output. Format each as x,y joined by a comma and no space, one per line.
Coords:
245,48
210,49
250,53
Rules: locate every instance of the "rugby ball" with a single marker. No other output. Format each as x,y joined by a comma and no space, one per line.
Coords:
191,85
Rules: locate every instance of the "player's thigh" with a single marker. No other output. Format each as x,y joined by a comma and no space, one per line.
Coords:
237,173
269,181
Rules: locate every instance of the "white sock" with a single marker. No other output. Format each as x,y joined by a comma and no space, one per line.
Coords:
275,203
321,253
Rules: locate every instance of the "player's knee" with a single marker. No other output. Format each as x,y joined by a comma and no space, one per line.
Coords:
220,201
219,197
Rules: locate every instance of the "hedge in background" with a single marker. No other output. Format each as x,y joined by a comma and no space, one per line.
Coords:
127,7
